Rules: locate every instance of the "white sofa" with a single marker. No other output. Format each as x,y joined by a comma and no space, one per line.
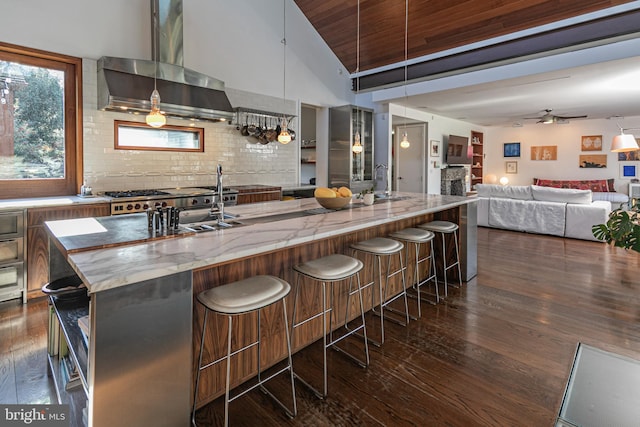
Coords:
544,210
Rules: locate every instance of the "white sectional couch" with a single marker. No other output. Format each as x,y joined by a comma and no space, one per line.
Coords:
543,210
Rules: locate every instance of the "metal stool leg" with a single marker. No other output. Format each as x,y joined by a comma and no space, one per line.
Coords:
195,392
228,382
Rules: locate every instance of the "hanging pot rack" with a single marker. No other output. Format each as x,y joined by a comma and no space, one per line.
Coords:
244,114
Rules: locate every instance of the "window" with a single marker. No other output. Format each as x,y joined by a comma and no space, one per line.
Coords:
40,129
140,136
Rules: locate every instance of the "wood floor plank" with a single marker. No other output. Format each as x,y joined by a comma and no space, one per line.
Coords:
498,351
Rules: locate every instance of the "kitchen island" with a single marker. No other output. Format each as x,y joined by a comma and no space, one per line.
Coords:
143,318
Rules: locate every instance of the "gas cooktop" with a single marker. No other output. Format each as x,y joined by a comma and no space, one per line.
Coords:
135,193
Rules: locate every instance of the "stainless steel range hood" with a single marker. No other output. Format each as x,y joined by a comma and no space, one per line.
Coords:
126,84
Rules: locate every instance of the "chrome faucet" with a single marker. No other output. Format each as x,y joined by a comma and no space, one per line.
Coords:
217,206
386,178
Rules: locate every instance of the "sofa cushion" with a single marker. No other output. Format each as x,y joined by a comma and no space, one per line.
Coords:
601,185
561,195
533,217
517,192
610,196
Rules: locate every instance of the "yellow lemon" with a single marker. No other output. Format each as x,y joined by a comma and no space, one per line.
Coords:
324,192
344,192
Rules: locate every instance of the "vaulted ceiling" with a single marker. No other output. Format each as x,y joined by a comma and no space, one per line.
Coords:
433,25
437,26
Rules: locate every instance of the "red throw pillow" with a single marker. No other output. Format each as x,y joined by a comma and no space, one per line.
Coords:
595,185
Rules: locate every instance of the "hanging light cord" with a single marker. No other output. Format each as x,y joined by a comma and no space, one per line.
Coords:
285,136
284,55
358,65
406,48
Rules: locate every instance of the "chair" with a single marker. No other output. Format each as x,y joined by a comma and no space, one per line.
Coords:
331,269
235,299
418,236
442,228
379,247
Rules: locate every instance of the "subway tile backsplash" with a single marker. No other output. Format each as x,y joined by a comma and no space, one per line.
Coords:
243,160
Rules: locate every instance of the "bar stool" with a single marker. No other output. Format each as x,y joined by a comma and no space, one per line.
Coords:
331,269
418,236
442,228
234,299
379,247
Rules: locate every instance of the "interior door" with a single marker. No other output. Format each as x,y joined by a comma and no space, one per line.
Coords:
410,162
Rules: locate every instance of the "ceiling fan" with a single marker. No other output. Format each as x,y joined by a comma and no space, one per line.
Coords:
548,118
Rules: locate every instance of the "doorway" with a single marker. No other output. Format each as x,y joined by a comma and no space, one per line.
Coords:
409,163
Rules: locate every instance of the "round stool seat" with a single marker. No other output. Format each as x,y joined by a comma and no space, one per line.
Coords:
378,245
413,235
245,295
440,226
331,267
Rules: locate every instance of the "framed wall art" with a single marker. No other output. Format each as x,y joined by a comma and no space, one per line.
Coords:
511,149
544,152
593,161
629,155
628,171
435,148
511,167
591,143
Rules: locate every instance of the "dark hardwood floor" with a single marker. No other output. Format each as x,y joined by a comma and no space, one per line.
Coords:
497,352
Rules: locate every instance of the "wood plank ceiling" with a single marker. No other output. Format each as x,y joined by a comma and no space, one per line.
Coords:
433,25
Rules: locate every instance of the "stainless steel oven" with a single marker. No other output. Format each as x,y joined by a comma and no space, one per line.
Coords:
136,201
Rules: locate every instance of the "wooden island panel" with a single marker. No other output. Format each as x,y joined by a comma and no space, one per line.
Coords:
38,239
279,263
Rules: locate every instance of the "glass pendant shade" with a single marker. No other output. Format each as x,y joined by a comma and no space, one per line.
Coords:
404,143
357,145
155,118
284,137
624,142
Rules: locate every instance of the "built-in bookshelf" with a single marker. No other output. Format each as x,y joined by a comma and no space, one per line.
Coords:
477,143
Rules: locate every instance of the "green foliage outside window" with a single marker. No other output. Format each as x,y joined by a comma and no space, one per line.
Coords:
38,127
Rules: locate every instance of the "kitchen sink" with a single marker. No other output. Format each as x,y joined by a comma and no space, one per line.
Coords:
201,227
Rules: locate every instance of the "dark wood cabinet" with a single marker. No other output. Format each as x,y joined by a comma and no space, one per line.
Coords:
257,193
38,240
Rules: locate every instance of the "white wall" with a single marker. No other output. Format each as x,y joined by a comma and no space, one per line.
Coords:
437,128
237,41
567,137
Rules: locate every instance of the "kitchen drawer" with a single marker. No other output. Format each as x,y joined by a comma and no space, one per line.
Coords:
12,281
11,250
11,224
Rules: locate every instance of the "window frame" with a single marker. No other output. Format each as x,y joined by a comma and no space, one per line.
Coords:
72,68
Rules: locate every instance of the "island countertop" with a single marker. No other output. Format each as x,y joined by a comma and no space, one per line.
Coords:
108,268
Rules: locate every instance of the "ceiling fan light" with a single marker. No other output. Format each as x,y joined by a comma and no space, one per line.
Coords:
624,142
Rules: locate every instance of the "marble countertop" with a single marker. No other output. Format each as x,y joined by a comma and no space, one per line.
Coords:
44,202
109,268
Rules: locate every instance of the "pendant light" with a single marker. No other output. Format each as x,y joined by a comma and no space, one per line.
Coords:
357,144
155,118
624,142
404,143
284,137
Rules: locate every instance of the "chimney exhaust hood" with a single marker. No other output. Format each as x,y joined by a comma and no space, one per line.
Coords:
126,84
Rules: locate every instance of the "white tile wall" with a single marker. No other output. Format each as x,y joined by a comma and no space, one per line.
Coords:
243,160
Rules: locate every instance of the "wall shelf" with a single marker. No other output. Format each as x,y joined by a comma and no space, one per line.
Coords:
477,141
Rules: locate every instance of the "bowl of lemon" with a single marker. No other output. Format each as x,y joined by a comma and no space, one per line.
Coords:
333,198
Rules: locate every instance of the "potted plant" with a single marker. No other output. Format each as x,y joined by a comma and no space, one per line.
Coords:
367,196
622,229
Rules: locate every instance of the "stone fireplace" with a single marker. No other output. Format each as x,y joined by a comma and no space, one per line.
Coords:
452,181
